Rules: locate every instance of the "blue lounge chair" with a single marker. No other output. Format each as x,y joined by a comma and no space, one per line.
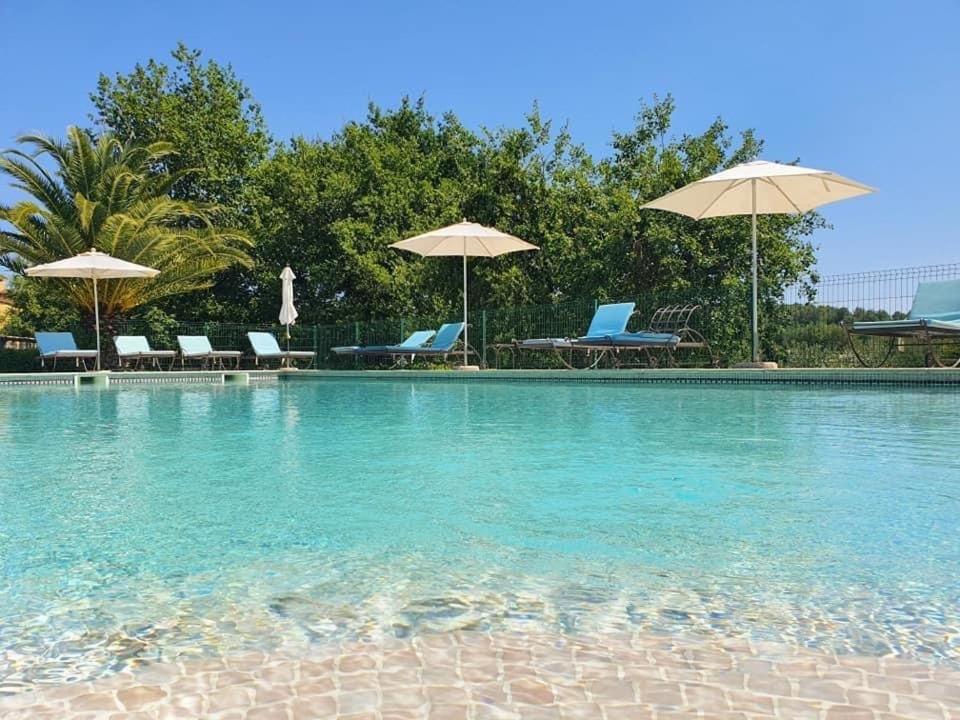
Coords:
135,349
197,347
55,346
266,347
607,331
443,344
933,321
416,341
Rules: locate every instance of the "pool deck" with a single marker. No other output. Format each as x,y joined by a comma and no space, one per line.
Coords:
865,377
507,676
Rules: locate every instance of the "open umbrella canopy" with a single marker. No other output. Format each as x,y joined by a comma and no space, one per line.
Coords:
758,188
466,239
96,266
92,264
780,189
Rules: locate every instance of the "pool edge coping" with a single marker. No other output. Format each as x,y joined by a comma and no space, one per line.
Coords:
936,377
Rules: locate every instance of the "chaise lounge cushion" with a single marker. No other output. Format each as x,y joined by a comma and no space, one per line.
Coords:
60,345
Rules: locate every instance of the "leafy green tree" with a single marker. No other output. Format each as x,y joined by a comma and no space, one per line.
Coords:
104,194
209,115
333,207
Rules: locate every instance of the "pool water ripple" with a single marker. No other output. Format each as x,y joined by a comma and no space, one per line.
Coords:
160,523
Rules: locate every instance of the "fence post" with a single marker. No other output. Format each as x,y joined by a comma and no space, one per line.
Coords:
483,337
356,339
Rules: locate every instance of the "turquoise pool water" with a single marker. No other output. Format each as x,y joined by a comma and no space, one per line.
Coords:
156,522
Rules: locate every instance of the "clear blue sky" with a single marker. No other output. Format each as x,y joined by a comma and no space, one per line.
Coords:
868,89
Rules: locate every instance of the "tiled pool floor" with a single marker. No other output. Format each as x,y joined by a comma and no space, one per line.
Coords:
475,676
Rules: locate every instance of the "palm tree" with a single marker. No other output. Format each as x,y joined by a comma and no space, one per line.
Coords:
104,194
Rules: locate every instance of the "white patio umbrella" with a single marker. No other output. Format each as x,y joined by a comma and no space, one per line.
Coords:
288,313
759,188
96,266
466,239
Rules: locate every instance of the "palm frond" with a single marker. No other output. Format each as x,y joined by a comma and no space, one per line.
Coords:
106,194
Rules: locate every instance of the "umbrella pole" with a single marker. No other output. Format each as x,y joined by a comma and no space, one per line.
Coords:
753,236
465,343
96,319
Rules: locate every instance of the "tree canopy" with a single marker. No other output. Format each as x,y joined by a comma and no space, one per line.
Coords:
331,206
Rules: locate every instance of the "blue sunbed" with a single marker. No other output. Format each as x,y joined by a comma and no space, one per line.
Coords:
444,342
607,329
416,341
197,347
135,349
266,347
934,315
61,346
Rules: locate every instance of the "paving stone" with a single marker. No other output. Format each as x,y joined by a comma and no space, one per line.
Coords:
827,690
947,694
872,699
628,712
140,696
705,697
752,703
531,691
799,709
848,712
611,691
322,706
443,711
513,676
94,701
581,711
355,702
918,708
769,685
403,698
276,711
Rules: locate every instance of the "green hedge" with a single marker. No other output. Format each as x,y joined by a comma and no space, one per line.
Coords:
12,361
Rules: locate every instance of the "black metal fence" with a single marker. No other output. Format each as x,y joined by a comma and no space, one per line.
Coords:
803,329
808,331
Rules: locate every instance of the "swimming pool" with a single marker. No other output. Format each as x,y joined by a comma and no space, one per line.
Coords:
145,523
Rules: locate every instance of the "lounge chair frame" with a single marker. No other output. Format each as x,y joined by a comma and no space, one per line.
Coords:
674,319
922,332
135,361
933,323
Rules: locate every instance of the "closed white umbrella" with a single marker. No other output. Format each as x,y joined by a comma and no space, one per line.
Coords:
288,313
759,188
466,239
96,266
